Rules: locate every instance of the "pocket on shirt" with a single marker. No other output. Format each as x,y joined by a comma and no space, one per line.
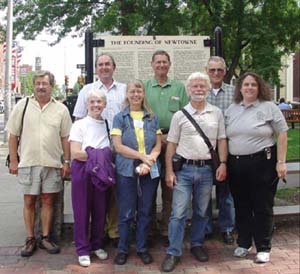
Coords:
174,104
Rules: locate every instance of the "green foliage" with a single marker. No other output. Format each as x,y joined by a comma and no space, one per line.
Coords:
293,152
290,195
27,84
58,93
256,33
27,87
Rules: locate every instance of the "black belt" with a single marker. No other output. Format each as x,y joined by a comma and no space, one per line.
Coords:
164,130
199,163
262,153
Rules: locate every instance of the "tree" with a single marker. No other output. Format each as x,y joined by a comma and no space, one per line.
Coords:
257,33
27,84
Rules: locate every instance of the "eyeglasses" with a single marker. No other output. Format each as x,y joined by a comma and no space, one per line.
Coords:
214,70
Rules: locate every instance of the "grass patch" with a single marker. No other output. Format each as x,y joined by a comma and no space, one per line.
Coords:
291,196
293,151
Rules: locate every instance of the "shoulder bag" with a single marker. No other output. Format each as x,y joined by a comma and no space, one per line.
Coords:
214,155
23,114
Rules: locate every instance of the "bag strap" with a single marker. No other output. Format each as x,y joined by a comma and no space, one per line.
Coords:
23,114
198,128
107,129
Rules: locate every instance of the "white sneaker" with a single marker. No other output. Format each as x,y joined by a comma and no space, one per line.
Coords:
84,260
101,254
262,257
241,252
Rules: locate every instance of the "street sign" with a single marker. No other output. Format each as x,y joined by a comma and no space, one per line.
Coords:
80,66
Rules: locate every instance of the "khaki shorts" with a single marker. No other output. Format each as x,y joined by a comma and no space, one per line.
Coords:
38,179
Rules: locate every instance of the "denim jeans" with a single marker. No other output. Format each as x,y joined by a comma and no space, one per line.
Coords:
226,210
190,180
135,202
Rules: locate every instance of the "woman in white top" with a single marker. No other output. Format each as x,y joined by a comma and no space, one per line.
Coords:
88,201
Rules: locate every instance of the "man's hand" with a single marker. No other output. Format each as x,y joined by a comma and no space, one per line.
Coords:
221,172
13,167
65,170
170,179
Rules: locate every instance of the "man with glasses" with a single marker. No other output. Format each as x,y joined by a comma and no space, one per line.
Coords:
221,95
41,138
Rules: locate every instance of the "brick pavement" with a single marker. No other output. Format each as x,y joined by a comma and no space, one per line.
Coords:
284,259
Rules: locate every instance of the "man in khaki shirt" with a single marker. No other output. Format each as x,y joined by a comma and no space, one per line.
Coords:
195,177
40,143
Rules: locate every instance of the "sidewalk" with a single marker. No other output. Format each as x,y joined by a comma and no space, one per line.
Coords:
284,260
284,257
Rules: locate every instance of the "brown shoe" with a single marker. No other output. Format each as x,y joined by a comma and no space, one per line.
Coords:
46,243
29,247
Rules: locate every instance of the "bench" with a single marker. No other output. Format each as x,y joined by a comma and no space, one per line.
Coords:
291,116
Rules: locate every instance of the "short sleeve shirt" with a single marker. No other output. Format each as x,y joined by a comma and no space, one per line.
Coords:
224,97
90,132
40,143
115,97
165,100
251,129
190,144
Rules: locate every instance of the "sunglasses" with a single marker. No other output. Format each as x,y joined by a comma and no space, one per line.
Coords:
214,70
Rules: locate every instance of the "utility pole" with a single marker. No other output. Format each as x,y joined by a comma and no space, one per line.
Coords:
7,88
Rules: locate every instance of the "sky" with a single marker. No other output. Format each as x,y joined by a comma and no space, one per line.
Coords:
60,59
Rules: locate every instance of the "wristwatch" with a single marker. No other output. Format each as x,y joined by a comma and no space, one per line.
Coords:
67,162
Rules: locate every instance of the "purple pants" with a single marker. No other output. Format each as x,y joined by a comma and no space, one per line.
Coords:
89,204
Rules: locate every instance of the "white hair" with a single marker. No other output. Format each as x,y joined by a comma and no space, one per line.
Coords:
198,75
96,93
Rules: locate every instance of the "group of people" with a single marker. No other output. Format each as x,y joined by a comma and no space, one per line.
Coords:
122,145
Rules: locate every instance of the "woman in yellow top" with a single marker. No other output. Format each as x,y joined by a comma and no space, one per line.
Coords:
136,138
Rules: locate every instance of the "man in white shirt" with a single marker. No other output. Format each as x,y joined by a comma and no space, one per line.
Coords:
114,91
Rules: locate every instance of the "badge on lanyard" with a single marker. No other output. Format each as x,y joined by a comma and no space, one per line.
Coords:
138,123
154,173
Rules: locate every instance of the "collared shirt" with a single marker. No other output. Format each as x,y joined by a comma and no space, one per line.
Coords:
190,144
40,143
224,97
251,129
165,100
115,97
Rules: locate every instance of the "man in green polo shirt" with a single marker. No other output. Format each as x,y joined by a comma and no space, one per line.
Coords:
165,97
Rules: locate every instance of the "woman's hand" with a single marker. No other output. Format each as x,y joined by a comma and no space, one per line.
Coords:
143,169
147,159
281,169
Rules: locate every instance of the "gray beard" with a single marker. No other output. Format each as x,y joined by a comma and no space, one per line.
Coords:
198,98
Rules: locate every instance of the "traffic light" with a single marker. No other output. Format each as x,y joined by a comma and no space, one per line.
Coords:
66,80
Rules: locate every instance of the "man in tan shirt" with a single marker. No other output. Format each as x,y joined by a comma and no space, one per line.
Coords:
40,143
195,177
